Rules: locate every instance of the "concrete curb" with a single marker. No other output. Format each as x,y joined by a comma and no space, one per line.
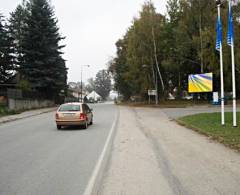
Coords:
16,117
95,181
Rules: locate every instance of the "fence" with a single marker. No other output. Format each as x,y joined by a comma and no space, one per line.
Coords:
25,100
14,93
19,94
21,104
3,97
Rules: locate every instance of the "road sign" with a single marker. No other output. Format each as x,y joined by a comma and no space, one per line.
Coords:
152,92
215,98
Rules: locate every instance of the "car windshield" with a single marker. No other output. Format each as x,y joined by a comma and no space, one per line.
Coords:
69,107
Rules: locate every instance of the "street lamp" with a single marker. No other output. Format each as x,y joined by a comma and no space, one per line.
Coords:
155,81
81,80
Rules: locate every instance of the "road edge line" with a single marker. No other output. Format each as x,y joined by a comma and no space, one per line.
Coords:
100,166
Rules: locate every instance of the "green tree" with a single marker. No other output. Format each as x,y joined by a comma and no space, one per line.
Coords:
119,69
139,55
173,49
90,86
6,53
43,65
145,48
16,26
103,83
179,44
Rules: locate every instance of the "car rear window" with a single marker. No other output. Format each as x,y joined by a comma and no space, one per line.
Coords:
69,107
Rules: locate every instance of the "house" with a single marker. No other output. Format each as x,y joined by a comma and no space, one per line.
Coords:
76,93
94,97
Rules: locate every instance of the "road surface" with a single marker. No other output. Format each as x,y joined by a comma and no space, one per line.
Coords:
37,159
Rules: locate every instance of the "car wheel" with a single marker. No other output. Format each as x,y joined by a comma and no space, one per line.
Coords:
59,127
91,122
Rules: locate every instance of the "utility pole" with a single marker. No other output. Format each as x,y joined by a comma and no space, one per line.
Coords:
81,96
156,60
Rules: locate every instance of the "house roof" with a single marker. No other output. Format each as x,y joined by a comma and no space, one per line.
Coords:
94,95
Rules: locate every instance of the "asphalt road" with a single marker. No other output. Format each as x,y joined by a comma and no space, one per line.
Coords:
38,159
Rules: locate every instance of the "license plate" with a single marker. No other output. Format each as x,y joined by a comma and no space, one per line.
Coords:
68,115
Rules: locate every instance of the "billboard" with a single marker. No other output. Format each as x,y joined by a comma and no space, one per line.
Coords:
200,83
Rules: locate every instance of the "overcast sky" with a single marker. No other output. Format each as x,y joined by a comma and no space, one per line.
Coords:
91,28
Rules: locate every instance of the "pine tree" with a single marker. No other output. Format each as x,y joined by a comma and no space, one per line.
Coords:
43,67
6,53
16,26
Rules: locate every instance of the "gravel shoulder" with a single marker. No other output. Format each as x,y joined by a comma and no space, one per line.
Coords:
154,155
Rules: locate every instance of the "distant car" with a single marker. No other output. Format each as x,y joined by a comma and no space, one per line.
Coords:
74,114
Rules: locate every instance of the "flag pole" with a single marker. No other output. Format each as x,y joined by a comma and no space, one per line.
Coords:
233,71
221,73
234,87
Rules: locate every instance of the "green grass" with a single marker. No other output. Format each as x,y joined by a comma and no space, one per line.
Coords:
210,124
166,103
4,111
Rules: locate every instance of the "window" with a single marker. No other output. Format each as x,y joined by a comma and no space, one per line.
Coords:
69,107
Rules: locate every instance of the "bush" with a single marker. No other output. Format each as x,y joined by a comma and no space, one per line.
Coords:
4,111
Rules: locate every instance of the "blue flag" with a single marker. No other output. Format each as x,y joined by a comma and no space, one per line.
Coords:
230,34
219,33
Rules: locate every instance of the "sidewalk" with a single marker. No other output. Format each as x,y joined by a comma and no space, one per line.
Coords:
25,114
133,168
153,155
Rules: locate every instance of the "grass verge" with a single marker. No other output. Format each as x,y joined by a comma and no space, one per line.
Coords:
210,124
167,104
4,111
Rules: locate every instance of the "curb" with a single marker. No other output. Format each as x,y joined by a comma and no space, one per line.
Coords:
95,181
23,117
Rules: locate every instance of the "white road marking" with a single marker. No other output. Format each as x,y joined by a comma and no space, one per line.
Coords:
91,183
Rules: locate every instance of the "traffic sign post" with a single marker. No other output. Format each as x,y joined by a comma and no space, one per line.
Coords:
151,93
